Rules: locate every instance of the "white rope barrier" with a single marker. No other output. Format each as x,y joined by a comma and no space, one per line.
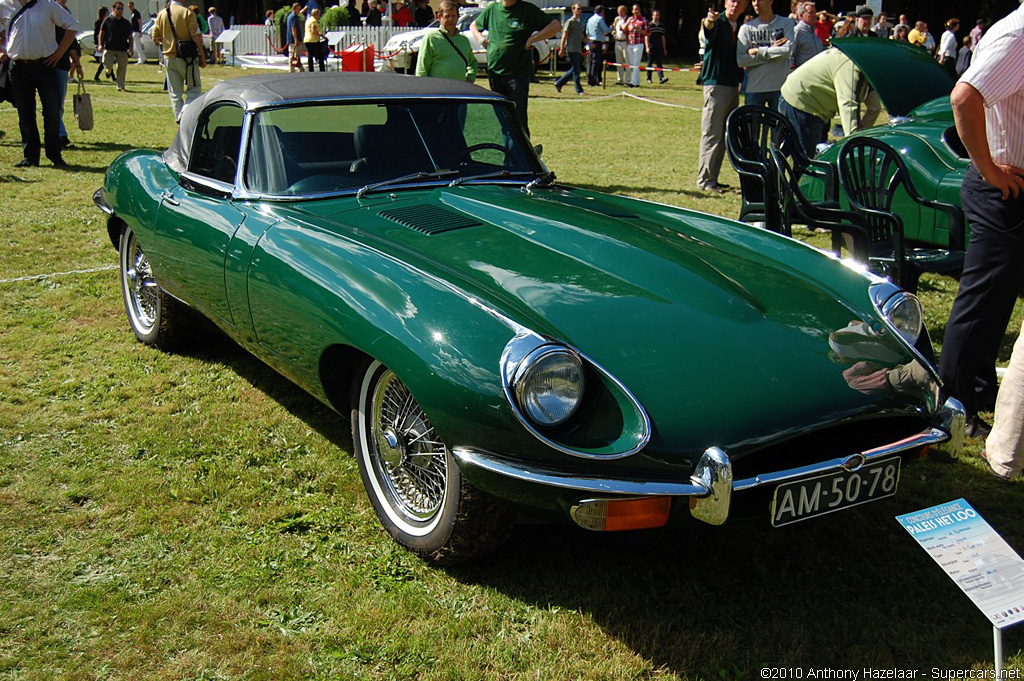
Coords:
37,277
623,95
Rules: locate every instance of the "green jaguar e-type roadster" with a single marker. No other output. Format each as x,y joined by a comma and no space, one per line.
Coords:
507,344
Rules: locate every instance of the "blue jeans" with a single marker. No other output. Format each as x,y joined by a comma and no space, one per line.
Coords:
516,88
575,67
62,80
810,129
769,99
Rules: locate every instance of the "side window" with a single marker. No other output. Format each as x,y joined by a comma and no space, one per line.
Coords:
215,146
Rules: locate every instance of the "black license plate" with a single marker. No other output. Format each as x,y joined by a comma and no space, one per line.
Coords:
803,499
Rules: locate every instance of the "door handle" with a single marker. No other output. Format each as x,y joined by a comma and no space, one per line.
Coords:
169,198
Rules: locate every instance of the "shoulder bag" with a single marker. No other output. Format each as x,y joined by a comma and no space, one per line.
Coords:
83,107
185,49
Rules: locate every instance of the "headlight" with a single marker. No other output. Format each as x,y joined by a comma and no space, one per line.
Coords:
548,385
904,312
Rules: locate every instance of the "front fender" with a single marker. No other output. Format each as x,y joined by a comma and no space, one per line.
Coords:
311,289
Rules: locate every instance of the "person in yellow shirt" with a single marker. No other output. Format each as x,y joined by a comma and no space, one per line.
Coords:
178,24
314,42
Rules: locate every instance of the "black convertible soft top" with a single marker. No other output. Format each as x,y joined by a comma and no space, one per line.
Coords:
268,89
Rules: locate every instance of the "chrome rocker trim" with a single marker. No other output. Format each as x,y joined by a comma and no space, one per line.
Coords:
712,482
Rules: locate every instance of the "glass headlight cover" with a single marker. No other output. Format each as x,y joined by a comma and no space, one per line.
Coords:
904,312
548,385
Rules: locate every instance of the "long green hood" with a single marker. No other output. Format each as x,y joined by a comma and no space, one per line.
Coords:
700,317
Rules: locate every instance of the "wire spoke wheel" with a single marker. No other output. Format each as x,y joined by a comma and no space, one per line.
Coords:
409,459
140,288
156,318
411,478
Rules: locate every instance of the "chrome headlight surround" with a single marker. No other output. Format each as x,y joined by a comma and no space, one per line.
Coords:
886,295
523,352
902,311
548,385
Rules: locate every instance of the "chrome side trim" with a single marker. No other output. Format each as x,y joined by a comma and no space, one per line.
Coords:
594,485
101,203
714,471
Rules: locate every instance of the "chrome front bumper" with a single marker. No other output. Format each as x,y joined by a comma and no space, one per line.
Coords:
711,485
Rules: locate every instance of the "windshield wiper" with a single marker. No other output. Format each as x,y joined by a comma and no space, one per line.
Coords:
541,180
404,179
497,175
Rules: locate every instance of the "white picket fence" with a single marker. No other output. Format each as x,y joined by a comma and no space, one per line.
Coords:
253,37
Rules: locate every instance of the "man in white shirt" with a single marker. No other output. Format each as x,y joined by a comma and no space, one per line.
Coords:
762,48
216,28
621,54
988,107
27,39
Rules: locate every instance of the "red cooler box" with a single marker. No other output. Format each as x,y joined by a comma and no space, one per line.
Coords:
357,57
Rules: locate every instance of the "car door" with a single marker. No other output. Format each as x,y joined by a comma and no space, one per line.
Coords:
197,218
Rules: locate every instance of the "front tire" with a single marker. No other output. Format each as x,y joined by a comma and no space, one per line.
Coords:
156,318
416,489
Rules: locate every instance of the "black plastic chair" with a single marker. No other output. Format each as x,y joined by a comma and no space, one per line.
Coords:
847,227
750,132
871,172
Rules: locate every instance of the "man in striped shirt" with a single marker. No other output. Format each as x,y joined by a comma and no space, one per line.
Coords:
988,107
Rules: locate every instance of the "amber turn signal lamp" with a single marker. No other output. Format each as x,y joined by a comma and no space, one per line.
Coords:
611,515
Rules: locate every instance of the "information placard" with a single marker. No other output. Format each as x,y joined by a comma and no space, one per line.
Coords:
974,556
228,36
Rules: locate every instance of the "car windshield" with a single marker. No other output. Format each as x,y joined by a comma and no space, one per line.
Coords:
345,147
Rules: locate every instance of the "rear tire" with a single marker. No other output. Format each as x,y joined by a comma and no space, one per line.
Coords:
416,489
156,318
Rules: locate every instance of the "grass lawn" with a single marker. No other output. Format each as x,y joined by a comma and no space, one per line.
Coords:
195,516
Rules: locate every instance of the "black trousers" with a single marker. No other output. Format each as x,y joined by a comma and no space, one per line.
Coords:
992,277
654,58
28,78
595,67
318,52
516,88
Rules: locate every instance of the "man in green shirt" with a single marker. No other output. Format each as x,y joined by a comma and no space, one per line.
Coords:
817,90
446,53
721,77
513,27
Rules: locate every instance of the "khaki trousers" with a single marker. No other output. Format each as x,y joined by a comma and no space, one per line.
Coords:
719,102
1005,444
120,58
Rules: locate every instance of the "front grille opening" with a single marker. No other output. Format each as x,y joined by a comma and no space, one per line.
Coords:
829,443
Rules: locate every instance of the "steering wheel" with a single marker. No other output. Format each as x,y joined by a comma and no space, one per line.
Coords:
477,147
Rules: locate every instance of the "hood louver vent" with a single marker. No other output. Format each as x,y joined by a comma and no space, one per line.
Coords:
428,219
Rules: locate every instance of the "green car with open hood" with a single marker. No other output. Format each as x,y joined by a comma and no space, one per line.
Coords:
914,90
507,344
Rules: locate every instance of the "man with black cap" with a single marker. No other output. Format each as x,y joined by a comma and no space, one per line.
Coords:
864,16
872,105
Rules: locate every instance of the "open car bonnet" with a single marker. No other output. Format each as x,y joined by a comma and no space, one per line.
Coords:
903,75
